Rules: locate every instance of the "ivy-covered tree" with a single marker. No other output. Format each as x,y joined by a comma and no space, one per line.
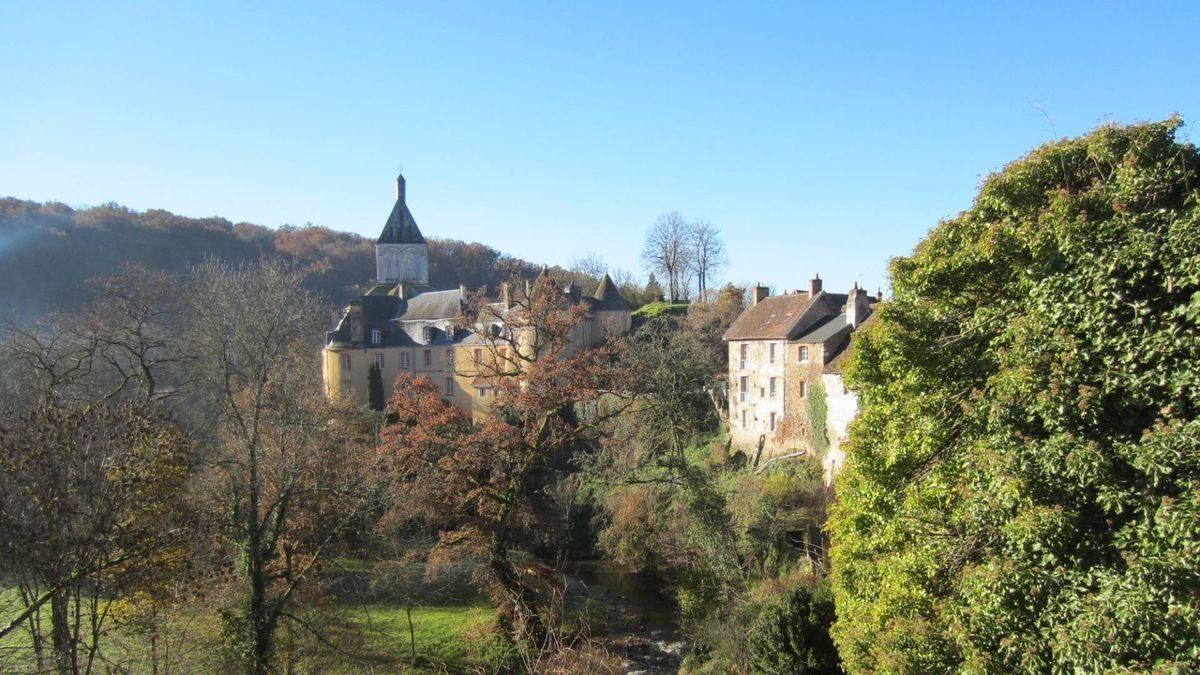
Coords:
1022,486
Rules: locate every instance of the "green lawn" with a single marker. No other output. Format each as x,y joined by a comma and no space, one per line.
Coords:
374,636
446,637
660,308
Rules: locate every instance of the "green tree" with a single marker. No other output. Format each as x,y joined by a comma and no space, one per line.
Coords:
818,413
792,637
1022,487
375,387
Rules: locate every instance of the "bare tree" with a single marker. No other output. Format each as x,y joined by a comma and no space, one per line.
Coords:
119,349
285,457
668,250
590,265
708,254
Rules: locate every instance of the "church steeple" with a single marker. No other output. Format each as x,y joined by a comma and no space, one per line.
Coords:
400,227
400,252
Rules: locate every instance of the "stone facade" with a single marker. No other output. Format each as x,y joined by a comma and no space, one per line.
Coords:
781,349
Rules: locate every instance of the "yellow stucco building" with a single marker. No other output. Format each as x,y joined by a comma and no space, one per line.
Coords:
402,326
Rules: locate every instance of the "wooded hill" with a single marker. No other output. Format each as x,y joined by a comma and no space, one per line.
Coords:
48,251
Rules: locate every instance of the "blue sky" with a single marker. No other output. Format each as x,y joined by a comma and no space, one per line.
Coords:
817,137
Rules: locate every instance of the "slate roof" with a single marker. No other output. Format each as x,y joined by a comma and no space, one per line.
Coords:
608,298
825,329
383,309
400,227
835,364
431,305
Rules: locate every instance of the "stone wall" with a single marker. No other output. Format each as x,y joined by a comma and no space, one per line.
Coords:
843,406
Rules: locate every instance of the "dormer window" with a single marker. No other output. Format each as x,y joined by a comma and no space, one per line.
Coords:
376,336
496,330
428,334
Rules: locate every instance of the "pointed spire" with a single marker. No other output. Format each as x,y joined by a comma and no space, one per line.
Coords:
400,227
608,296
606,284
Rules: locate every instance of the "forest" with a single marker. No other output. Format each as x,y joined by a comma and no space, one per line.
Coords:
51,252
1021,491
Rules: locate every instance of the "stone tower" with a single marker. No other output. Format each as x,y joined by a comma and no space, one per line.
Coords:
400,252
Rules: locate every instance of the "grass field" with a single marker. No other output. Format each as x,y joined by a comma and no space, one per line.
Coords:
454,633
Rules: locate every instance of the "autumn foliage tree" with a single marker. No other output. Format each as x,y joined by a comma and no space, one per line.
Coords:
92,506
484,485
284,462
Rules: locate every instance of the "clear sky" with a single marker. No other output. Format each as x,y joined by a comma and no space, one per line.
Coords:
817,137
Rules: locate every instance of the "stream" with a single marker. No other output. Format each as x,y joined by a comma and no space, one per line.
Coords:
641,620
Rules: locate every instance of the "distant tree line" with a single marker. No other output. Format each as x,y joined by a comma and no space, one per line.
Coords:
49,250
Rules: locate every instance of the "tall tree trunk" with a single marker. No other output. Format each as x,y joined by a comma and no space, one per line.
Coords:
260,624
529,624
60,632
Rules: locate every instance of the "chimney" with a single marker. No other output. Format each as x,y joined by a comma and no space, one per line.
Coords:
400,188
856,306
356,321
814,285
462,291
761,292
505,295
879,295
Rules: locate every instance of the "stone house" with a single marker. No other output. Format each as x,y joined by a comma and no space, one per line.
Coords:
401,325
781,349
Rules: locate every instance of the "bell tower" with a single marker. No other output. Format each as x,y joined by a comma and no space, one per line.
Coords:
401,254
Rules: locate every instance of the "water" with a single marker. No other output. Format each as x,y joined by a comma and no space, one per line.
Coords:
640,618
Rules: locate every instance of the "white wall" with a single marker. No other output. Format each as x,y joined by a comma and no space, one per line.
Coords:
842,407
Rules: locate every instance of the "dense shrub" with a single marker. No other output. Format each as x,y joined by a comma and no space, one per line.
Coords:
793,636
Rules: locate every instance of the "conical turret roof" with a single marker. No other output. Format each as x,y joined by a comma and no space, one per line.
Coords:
400,227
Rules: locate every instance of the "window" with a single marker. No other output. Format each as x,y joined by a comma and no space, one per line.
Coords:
404,360
379,360
772,421
743,419
482,391
773,387
803,354
345,362
743,387
771,351
743,354
478,357
428,357
449,386
376,336
803,389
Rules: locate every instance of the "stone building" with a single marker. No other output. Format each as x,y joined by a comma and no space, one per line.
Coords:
402,325
781,349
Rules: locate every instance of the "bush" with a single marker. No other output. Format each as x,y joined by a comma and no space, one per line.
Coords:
793,636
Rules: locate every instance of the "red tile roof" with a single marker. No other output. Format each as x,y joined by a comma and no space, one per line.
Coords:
772,318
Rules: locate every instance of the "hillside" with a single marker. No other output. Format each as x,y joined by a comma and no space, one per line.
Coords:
48,251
